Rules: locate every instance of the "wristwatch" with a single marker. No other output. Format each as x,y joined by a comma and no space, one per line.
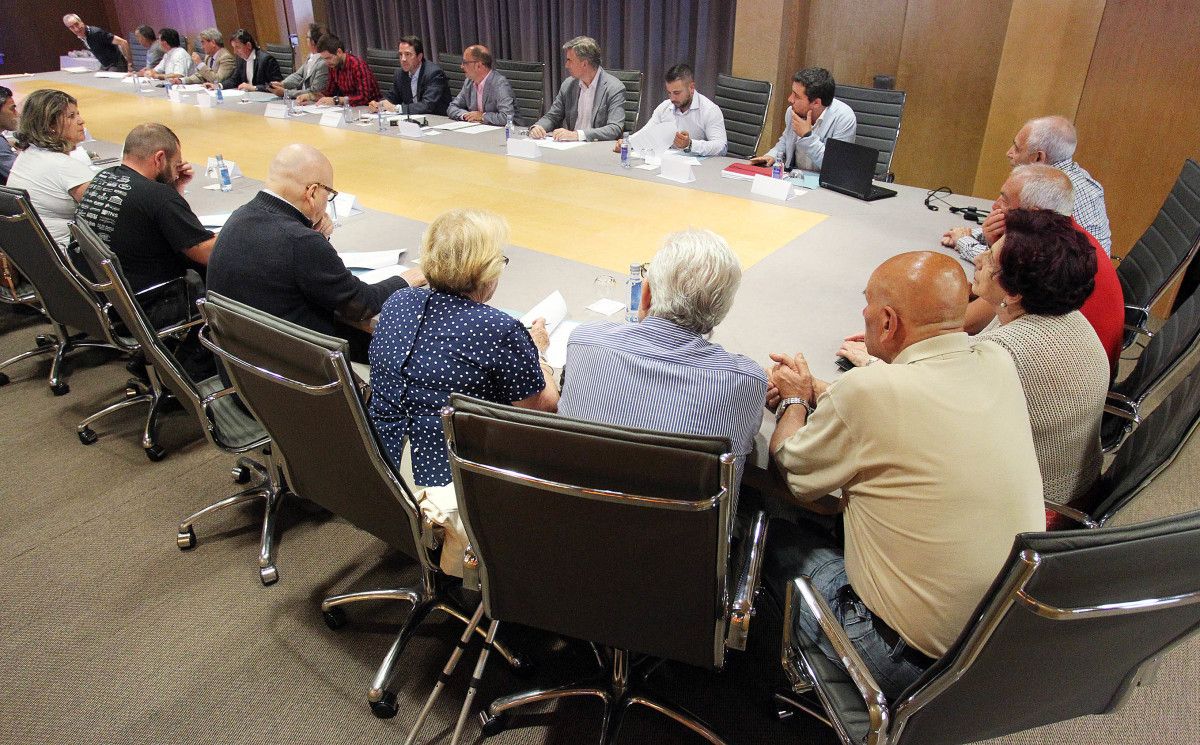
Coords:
791,400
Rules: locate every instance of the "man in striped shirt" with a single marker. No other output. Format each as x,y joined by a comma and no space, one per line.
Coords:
663,373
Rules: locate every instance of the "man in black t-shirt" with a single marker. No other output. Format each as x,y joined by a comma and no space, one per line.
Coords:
138,209
110,50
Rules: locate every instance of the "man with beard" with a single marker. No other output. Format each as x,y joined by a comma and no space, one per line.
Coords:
138,209
699,124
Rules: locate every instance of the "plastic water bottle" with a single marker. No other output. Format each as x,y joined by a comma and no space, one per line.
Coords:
291,105
508,128
223,174
379,116
220,95
635,292
777,169
625,150
347,112
168,85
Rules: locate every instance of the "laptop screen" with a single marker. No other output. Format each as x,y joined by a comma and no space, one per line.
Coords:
848,166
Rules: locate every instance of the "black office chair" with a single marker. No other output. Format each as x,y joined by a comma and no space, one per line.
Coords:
634,82
225,424
451,64
384,64
63,300
1073,623
1162,253
300,386
285,55
743,104
136,51
878,113
1172,346
624,542
529,88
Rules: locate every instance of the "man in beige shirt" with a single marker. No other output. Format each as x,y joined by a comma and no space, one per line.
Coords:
934,457
217,64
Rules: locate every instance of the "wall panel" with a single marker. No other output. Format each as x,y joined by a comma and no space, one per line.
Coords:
769,38
188,17
32,35
855,39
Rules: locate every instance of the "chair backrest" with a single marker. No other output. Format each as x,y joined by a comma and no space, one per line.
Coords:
66,300
1167,246
451,64
1065,631
383,63
529,88
299,385
136,51
562,545
878,113
284,55
633,80
1170,345
184,44
743,103
1151,448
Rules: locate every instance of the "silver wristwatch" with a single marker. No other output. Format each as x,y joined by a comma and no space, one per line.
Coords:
785,403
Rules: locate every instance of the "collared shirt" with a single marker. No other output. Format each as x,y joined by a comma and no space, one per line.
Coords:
1089,202
479,91
100,42
658,375
354,80
414,78
7,156
250,67
702,121
587,104
836,122
175,62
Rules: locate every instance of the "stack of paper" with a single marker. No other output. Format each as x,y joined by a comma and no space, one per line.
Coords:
554,310
378,275
454,125
365,261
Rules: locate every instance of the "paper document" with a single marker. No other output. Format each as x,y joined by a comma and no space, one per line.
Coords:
232,93
366,260
559,145
554,310
114,75
190,88
655,137
257,96
454,125
378,275
606,306
475,129
76,70
214,222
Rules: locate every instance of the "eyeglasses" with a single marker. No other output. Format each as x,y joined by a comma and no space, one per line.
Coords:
332,192
644,269
504,259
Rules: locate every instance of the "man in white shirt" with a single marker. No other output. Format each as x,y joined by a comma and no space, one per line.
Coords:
176,62
699,123
813,117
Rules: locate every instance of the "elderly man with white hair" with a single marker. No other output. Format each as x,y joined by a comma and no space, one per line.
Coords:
664,373
1048,140
218,63
109,49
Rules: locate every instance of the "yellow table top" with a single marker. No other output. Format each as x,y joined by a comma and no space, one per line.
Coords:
595,218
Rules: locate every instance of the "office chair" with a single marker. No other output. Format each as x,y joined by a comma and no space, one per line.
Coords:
384,64
879,113
285,55
743,104
529,88
451,64
634,81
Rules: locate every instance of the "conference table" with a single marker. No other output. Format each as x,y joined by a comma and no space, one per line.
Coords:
575,214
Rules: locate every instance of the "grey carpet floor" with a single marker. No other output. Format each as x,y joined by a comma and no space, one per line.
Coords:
109,634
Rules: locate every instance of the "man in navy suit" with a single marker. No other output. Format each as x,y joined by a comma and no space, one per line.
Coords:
420,86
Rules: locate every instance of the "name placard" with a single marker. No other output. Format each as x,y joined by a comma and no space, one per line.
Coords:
523,148
205,100
677,169
331,119
409,129
773,188
276,111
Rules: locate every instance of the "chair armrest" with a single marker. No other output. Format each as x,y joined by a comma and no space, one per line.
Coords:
749,569
1121,412
471,571
1071,513
176,328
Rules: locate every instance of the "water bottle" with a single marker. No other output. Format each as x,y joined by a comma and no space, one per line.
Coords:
347,112
777,169
625,150
379,116
167,84
220,95
223,173
290,103
635,292
508,127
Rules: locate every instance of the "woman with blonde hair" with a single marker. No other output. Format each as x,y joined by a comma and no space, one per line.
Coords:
51,127
442,339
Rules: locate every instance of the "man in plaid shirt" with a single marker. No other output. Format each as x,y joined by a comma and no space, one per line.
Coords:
1049,140
350,80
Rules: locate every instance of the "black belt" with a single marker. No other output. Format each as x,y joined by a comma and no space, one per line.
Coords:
890,636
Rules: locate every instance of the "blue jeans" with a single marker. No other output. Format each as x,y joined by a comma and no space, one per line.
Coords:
796,551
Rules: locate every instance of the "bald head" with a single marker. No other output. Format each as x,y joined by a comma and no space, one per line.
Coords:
297,166
912,297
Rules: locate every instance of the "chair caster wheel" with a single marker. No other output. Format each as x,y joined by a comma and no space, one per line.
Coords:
60,389
385,708
155,453
4,379
186,540
335,617
492,725
241,475
42,341
87,435
268,575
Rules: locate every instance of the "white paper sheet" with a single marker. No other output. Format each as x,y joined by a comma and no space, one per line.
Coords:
378,275
214,222
454,125
560,145
190,87
657,137
75,70
475,129
114,75
606,306
371,259
554,310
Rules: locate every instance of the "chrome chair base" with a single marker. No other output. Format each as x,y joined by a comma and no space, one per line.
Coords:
382,700
619,694
59,344
136,393
266,487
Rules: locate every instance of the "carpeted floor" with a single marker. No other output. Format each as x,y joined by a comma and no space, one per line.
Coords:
109,634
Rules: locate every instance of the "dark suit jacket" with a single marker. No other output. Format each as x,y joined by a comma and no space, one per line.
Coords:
433,91
266,70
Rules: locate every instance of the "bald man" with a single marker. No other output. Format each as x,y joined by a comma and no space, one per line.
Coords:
934,458
274,254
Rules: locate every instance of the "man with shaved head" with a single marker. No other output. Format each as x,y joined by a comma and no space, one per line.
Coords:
274,254
933,456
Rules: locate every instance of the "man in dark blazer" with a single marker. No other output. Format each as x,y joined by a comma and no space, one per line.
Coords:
420,86
590,105
263,68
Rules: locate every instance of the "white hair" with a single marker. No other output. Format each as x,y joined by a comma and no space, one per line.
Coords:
213,35
1054,136
1044,187
693,279
71,18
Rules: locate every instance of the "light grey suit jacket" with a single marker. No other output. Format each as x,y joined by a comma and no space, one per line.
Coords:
315,82
608,110
498,103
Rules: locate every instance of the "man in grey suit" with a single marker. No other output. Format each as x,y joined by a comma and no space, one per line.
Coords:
311,77
590,105
486,96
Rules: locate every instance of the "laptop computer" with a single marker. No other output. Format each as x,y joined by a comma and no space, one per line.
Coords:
848,169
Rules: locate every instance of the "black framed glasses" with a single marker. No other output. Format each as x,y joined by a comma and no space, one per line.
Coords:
332,192
504,259
644,269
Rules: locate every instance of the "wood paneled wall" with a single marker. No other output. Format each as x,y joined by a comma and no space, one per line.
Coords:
768,44
188,17
32,35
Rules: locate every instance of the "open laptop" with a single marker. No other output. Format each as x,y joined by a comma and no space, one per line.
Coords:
848,169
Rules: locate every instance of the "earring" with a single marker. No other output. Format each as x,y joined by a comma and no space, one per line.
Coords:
1003,303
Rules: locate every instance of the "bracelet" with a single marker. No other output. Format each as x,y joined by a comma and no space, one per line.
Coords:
790,401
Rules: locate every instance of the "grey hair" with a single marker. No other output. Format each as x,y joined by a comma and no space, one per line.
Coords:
1054,136
71,17
585,48
1044,187
213,35
693,279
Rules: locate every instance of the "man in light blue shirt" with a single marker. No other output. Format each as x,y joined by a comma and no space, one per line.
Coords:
663,373
813,117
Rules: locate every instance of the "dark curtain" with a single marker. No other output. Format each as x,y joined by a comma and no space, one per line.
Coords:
649,36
